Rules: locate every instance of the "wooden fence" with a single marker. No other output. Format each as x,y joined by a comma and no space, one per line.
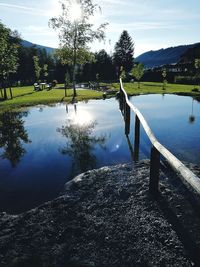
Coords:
157,149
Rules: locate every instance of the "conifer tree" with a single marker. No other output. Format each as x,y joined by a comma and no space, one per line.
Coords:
124,51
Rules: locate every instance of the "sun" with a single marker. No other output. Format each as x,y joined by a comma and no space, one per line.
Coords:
75,12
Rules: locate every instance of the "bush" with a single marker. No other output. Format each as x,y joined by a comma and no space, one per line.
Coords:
185,79
54,83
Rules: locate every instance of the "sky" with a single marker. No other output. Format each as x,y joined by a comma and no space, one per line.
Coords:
152,24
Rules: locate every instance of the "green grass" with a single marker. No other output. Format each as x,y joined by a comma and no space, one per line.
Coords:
156,88
26,96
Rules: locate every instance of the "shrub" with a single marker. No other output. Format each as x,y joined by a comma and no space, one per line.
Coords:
54,83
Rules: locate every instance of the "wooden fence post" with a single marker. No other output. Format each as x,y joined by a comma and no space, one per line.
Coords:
137,138
120,99
127,119
154,171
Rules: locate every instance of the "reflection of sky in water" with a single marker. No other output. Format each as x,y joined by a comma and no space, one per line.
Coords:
168,117
43,170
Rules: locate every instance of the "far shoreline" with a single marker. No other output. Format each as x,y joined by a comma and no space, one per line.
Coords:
26,97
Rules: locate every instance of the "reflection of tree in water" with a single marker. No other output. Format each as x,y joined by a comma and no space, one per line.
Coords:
192,117
12,134
80,146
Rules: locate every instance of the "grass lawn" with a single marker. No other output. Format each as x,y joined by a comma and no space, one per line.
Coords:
26,96
156,88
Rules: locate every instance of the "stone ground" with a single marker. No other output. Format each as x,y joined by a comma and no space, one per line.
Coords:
107,217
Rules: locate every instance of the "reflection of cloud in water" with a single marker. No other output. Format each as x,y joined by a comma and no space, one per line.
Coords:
105,127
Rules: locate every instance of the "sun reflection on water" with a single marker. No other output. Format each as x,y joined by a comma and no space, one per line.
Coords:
81,118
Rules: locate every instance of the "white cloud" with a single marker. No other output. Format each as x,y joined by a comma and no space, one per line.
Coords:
137,26
16,6
51,9
37,30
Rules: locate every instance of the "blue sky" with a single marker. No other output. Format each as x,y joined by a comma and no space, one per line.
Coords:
152,24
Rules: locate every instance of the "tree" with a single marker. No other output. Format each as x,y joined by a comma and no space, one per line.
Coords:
45,72
37,67
9,43
26,71
76,32
104,66
138,72
164,75
197,67
67,82
124,51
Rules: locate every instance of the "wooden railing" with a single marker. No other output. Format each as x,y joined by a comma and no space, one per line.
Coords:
157,149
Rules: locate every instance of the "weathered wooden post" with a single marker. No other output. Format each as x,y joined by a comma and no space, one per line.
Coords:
130,147
137,138
120,98
154,171
127,119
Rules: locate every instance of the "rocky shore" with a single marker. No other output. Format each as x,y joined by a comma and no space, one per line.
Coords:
107,217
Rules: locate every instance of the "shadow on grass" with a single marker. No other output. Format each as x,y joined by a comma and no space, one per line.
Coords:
151,85
30,93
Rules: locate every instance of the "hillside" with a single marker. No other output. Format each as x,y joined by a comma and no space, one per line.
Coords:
164,56
29,44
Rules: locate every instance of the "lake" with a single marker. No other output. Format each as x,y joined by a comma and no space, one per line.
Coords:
43,147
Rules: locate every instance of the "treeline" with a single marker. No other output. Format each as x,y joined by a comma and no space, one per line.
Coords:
20,65
33,64
103,66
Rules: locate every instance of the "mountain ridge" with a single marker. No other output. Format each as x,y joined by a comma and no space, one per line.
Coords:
48,49
163,56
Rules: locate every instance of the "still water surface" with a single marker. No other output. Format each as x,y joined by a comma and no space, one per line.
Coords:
44,147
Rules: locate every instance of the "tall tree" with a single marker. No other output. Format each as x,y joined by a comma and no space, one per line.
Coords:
9,43
123,54
26,72
76,32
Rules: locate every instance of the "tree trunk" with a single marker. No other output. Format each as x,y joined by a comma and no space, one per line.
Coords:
5,93
74,81
74,64
11,93
65,89
1,93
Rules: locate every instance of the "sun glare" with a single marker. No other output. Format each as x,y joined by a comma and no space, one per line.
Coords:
75,12
82,118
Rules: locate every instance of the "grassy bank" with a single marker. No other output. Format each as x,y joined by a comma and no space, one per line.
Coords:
26,96
156,88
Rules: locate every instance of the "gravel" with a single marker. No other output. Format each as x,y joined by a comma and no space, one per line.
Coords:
107,217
